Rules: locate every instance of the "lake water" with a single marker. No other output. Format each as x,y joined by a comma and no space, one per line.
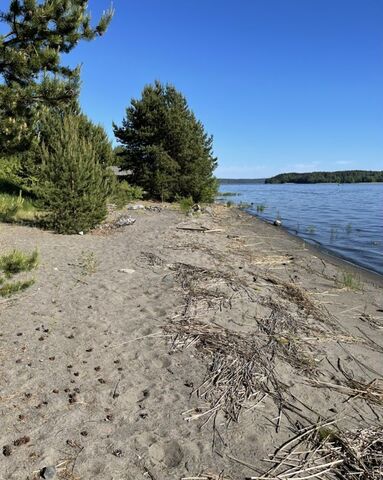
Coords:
346,220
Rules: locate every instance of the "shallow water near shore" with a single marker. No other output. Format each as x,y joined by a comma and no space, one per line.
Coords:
346,220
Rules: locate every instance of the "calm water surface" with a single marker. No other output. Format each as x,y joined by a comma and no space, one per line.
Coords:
346,219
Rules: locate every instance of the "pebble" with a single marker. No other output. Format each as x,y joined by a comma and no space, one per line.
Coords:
48,472
7,450
125,220
277,223
126,270
135,207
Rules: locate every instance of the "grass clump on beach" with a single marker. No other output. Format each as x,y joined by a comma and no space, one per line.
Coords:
350,281
186,204
124,193
16,207
11,288
88,263
12,264
18,261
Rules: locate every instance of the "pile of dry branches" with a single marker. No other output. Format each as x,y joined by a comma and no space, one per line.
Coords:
322,452
239,370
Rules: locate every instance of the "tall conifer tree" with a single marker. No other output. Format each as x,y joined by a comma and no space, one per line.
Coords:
33,77
166,147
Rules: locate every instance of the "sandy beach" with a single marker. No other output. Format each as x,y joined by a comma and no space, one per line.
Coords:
184,348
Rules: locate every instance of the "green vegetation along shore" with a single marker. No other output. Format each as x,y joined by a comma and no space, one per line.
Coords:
347,176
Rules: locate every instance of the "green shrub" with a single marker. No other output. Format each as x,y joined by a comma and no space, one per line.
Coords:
185,204
17,261
13,263
16,207
124,193
350,281
74,184
10,288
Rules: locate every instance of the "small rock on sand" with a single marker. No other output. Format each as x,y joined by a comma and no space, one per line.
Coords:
126,270
48,472
135,207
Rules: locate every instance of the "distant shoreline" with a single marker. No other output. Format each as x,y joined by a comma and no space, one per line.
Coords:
340,177
256,181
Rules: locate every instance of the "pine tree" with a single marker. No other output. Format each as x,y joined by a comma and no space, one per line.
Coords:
33,78
74,183
165,147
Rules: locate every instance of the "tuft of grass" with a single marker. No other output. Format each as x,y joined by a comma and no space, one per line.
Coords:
244,205
18,261
16,207
186,204
311,229
350,281
261,208
10,288
88,263
125,193
228,194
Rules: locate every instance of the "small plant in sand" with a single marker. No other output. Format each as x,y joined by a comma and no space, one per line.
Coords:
18,261
186,204
124,193
12,264
88,263
10,288
350,281
16,207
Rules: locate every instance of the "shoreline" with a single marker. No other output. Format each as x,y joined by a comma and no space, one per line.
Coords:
340,261
186,347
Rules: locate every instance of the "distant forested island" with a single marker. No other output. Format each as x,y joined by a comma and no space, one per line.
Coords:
244,181
346,176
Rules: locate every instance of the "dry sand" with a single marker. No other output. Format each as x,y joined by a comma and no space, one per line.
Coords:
153,352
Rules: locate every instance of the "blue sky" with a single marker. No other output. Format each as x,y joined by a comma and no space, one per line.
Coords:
283,85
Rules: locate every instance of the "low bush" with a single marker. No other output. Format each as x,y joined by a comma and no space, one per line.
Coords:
124,193
16,207
10,288
18,261
185,204
12,264
74,182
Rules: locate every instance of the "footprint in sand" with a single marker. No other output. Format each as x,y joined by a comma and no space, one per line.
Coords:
168,453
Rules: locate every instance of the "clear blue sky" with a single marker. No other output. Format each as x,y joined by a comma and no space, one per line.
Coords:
283,85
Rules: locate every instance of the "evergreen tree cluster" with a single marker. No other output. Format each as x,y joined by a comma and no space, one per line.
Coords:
51,150
34,78
165,147
74,191
345,176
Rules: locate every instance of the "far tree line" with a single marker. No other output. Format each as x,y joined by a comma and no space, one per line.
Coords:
52,152
346,176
